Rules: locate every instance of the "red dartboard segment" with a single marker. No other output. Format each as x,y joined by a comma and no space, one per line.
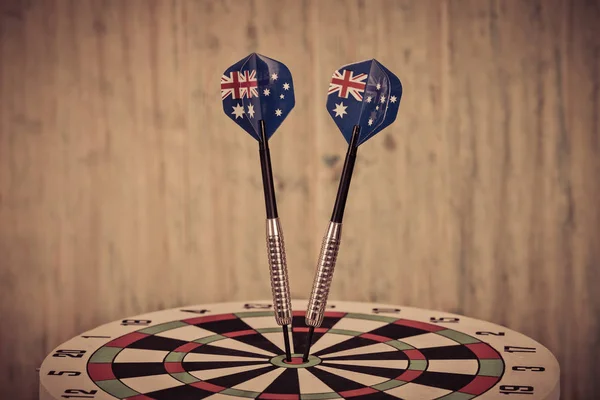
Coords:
304,329
208,386
376,338
414,354
100,371
240,333
232,352
479,385
186,348
358,392
483,351
174,367
420,325
409,375
209,318
127,340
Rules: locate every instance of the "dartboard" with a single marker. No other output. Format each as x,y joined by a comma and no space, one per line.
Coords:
235,351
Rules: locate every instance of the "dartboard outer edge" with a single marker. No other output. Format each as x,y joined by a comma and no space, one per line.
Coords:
512,358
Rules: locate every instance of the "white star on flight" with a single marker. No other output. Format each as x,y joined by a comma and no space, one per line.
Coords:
251,111
382,98
274,76
378,86
340,110
238,111
393,99
266,92
281,96
369,99
370,121
278,112
286,86
377,108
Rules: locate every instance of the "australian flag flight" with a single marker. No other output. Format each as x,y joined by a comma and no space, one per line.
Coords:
257,88
365,94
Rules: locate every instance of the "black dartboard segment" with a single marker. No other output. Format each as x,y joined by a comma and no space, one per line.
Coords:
361,351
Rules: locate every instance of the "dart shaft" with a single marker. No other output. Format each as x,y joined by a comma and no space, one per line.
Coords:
344,186
324,275
280,286
267,174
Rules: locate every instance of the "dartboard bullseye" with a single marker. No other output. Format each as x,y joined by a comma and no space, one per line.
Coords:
361,351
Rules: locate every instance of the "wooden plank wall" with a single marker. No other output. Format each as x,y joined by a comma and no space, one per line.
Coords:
124,189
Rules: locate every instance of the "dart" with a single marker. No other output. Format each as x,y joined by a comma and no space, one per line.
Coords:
363,99
258,94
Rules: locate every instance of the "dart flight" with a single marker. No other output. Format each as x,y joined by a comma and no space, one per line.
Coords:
257,88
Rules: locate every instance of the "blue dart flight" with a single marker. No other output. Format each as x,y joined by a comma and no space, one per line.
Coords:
364,94
258,94
363,99
257,88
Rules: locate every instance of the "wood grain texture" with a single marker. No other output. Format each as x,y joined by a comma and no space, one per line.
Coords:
124,189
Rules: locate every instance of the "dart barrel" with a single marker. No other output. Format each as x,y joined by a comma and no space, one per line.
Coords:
280,285
324,275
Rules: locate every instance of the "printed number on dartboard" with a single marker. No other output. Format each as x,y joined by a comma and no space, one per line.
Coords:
79,394
488,333
69,353
523,368
444,320
516,389
386,310
66,373
253,306
136,322
518,349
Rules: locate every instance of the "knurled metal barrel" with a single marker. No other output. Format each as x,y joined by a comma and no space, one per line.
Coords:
324,275
280,285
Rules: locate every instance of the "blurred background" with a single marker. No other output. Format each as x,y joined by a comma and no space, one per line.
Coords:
125,189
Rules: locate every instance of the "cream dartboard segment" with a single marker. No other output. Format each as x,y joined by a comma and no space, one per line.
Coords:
361,351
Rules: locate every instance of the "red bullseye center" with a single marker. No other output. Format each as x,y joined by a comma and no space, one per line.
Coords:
294,360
